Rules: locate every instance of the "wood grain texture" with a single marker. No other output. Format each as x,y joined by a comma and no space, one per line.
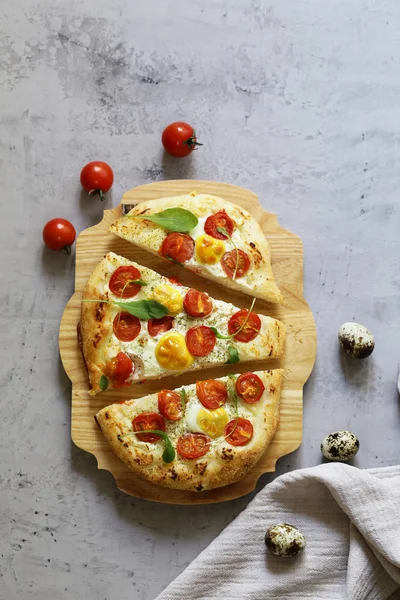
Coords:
287,257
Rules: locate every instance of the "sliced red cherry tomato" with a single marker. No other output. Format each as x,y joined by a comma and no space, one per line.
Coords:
178,247
126,327
228,263
211,393
118,369
97,177
193,445
121,282
170,405
249,331
200,340
249,387
220,219
239,432
148,420
197,304
59,234
157,326
179,139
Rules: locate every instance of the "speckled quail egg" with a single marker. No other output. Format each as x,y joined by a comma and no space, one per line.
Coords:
356,340
285,540
340,446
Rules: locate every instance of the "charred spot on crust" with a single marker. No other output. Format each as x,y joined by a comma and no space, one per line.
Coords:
126,445
107,415
99,314
201,468
256,254
271,389
97,423
270,352
173,473
199,487
227,454
96,339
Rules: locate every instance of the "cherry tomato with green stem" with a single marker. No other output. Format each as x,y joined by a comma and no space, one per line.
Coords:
97,177
179,139
59,234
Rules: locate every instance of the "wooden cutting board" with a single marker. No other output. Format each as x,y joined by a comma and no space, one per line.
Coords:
287,253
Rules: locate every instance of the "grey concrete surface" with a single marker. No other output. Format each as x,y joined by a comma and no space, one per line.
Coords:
297,100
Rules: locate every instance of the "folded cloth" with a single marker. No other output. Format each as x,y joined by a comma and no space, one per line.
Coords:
350,519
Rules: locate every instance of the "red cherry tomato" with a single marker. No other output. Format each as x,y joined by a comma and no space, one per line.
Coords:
211,393
239,432
162,325
126,327
170,405
121,282
179,139
200,340
97,178
193,445
249,387
118,369
59,234
220,219
178,247
228,263
148,420
249,331
197,304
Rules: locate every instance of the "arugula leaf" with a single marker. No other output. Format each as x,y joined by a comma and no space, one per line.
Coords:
172,219
232,335
137,282
183,401
233,356
143,309
176,262
169,451
236,400
103,383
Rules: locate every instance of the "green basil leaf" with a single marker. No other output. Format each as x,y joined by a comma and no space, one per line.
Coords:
144,309
172,219
233,356
103,383
169,451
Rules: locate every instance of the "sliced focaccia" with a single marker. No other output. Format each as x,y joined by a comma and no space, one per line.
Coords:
221,241
199,436
136,324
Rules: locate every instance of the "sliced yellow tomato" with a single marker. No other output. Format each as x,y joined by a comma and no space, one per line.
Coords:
212,422
172,353
209,250
170,297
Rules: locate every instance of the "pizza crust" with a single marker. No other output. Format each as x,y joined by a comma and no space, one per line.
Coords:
99,344
258,282
223,464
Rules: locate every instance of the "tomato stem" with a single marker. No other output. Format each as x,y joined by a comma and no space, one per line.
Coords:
97,191
192,143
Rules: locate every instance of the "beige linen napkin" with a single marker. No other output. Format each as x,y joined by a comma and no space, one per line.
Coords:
351,521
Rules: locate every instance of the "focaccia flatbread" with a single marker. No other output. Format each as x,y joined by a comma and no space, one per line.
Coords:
211,447
206,250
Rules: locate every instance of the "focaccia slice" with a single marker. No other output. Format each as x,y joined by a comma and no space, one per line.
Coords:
121,349
216,430
241,261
